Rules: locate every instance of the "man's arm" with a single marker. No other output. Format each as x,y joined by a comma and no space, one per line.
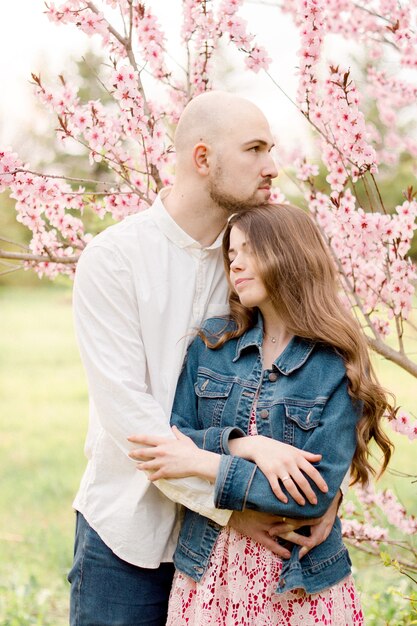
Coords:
265,529
107,323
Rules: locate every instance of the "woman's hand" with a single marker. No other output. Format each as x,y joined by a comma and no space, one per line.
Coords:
173,458
282,465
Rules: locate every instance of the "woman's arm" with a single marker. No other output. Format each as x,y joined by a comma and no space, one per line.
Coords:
283,465
240,484
181,457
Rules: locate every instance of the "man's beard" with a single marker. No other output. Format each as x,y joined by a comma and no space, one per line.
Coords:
227,201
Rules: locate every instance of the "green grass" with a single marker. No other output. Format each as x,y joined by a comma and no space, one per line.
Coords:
43,418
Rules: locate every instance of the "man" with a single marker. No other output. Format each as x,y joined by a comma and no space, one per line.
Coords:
141,287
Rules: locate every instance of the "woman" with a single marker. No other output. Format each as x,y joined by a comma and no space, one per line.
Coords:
288,372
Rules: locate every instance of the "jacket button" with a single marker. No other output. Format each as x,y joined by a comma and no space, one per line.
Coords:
273,377
264,413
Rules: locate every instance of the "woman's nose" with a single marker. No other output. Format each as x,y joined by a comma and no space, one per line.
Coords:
237,264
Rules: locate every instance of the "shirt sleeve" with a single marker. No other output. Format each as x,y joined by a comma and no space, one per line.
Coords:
240,484
345,483
107,324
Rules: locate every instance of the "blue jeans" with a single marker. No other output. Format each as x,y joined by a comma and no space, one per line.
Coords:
107,591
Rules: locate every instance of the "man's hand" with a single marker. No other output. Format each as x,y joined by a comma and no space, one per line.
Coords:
175,457
320,528
258,526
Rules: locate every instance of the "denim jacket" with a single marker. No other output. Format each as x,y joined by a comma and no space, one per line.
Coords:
302,401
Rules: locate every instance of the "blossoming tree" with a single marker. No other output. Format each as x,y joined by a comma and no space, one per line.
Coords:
131,136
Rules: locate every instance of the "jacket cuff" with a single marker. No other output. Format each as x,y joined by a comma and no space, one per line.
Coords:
217,439
233,482
230,433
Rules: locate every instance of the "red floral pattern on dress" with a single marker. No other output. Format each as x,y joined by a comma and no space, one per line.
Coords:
238,589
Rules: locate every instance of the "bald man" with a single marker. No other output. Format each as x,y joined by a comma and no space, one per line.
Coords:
141,288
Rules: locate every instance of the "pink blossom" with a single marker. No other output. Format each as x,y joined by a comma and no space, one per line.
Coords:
404,424
304,170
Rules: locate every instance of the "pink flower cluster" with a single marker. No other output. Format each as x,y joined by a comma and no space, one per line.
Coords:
371,250
386,502
79,13
392,97
151,40
368,520
405,425
377,26
256,56
42,205
202,30
305,171
360,532
58,100
203,27
374,24
89,19
200,34
277,196
375,518
9,162
310,21
332,105
108,134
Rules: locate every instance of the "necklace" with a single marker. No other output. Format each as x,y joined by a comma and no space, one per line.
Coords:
272,338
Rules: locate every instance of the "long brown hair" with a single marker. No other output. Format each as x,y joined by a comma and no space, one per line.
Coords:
300,278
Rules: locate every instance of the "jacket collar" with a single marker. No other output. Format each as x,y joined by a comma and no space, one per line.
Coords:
293,357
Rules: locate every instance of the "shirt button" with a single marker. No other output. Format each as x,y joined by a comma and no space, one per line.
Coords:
273,377
264,413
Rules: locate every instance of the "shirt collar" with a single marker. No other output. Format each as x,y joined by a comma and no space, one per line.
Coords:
170,228
293,357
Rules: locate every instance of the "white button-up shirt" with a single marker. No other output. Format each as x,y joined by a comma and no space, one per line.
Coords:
142,287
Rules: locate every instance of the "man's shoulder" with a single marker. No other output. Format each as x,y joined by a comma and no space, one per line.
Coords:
121,244
130,227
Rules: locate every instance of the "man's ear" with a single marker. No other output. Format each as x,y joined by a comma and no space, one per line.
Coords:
201,158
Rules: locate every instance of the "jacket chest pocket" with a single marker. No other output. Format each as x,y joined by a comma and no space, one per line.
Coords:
212,396
301,421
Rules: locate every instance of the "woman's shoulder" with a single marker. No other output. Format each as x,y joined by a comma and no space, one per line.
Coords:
329,359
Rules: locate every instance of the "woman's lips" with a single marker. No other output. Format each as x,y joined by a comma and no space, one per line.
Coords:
241,281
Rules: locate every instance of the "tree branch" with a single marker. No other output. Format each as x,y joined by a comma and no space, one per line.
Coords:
58,176
14,243
393,355
412,567
15,268
38,258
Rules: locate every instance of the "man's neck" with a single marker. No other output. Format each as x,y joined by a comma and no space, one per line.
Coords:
197,215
